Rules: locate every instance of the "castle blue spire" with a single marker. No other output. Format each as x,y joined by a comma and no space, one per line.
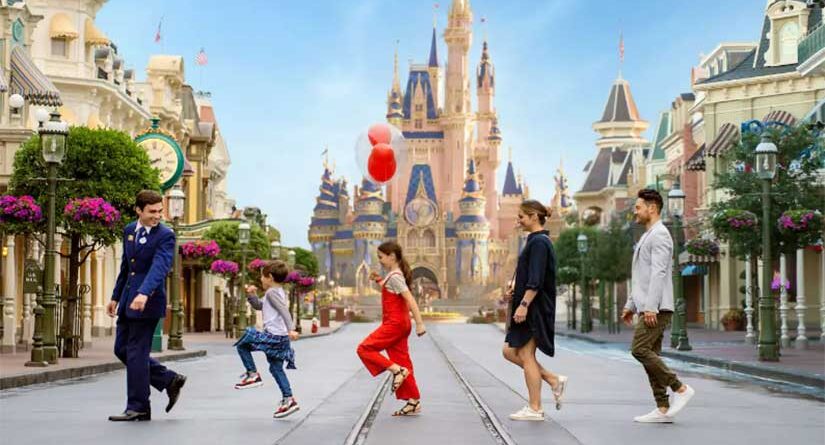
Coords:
433,51
511,187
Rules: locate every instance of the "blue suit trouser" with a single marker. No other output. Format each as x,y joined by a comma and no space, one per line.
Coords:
132,345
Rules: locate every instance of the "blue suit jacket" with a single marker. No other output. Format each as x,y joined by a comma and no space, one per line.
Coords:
143,270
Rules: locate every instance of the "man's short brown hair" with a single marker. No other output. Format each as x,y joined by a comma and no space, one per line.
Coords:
650,196
277,269
147,197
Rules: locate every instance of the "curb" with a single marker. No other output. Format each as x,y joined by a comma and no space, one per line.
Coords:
787,376
324,334
82,371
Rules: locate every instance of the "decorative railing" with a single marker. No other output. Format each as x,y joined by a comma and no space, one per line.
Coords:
811,44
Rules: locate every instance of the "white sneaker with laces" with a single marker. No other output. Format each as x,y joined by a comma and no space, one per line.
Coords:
528,413
680,400
654,416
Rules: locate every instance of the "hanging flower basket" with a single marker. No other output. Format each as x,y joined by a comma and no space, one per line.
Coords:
802,227
703,247
227,269
19,214
202,249
80,211
257,264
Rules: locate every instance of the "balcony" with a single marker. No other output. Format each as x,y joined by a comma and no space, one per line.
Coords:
811,52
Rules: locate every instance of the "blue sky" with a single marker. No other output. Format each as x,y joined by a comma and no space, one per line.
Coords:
289,77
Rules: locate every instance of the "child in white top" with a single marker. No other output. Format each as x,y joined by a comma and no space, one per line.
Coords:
274,340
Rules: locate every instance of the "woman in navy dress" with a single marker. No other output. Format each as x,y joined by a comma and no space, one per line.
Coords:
533,306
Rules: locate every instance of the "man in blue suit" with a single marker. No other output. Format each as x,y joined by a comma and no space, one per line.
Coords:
139,300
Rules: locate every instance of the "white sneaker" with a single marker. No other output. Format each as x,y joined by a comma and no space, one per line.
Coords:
680,400
654,416
528,413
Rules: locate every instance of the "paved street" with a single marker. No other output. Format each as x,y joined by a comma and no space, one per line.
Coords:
468,390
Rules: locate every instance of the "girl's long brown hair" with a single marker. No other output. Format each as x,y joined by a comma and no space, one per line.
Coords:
391,247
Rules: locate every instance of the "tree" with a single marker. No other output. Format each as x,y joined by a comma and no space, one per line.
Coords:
226,235
794,186
307,260
568,260
103,164
611,259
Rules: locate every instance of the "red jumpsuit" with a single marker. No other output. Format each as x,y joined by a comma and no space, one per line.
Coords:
391,336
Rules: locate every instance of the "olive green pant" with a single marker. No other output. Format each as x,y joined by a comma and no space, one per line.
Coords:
647,344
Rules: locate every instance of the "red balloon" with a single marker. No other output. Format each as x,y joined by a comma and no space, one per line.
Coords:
381,164
379,134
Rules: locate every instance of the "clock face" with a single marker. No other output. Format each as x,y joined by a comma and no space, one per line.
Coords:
420,212
165,157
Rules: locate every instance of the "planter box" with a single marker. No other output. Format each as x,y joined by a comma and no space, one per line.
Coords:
324,317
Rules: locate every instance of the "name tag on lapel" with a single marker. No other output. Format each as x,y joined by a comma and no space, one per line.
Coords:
130,238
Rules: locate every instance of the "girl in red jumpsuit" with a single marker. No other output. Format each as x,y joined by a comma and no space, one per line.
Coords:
396,304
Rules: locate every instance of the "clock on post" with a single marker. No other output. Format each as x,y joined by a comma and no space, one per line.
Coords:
164,154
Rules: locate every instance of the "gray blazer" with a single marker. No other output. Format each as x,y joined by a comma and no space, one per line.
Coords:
652,279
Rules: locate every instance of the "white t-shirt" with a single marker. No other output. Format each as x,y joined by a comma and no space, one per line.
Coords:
396,284
275,322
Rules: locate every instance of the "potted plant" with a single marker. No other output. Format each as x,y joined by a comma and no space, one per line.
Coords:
199,253
19,214
732,320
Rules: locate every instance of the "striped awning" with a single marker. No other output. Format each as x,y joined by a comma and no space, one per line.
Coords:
781,116
30,82
696,163
726,137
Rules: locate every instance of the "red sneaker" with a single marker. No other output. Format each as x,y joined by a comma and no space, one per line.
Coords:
288,406
249,380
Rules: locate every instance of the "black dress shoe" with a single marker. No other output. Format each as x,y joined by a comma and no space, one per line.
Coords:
173,390
131,416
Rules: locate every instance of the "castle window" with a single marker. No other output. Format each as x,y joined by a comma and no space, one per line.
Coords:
419,124
419,107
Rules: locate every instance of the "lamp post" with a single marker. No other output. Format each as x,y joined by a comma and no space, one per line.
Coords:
291,262
676,209
243,240
176,201
586,325
275,250
53,135
766,169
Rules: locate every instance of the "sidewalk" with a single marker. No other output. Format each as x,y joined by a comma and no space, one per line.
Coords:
99,357
726,350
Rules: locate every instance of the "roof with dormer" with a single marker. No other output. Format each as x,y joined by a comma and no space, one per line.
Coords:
419,78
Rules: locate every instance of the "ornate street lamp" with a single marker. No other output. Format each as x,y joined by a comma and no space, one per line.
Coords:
176,201
676,210
587,323
243,240
275,250
766,170
53,135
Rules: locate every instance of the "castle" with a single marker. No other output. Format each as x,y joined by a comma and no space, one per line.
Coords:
457,230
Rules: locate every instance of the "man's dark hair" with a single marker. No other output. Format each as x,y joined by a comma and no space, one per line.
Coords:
147,197
277,269
651,196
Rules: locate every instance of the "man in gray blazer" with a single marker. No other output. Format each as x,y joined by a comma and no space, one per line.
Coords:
651,296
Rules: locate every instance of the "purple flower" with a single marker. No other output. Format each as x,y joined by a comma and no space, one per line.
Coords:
224,267
21,209
91,210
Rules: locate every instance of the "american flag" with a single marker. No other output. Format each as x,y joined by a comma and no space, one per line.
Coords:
157,33
621,46
201,58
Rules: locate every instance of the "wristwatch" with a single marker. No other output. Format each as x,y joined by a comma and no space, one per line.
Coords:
524,303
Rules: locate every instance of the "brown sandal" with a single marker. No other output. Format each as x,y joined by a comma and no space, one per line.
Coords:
398,381
410,409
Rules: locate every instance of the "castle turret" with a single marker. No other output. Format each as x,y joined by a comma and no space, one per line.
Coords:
324,221
473,231
489,139
433,69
